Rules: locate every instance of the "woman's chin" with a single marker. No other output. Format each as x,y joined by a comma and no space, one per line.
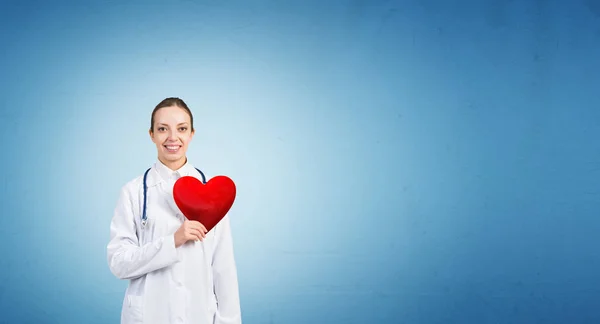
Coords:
172,157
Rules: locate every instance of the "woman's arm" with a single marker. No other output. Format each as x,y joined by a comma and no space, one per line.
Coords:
225,278
126,258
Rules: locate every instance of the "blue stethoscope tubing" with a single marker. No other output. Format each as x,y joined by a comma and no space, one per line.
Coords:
144,216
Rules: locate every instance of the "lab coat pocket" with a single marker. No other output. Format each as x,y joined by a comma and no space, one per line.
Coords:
134,310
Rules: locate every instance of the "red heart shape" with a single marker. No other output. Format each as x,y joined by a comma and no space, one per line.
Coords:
206,203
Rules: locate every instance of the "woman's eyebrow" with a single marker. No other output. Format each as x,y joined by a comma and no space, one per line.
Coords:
163,124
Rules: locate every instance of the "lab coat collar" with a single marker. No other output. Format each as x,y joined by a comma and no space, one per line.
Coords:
163,173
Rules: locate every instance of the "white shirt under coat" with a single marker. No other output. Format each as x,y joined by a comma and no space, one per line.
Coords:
193,284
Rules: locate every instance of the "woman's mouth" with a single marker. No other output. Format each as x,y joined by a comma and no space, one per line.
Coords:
172,148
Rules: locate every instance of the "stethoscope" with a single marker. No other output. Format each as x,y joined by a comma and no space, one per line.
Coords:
144,216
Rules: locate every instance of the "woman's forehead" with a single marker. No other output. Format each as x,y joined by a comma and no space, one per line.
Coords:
171,115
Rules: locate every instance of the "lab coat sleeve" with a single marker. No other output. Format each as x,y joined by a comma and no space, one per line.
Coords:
225,278
126,258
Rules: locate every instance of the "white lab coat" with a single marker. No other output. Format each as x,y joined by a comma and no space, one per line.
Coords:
193,284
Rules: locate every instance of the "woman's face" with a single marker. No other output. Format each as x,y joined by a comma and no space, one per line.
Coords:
172,134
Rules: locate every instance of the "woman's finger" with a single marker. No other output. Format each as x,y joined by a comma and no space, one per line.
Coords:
199,226
198,234
203,228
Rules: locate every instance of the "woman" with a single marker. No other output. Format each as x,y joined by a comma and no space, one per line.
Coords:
177,272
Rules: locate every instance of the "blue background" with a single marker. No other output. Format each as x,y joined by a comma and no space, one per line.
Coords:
396,162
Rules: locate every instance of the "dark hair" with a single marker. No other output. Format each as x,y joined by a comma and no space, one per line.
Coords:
171,102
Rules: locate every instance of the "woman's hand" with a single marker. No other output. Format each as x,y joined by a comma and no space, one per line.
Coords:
189,230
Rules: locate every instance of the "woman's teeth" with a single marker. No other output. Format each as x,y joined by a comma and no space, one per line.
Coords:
172,148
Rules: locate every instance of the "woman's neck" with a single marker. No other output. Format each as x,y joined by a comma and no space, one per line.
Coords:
174,165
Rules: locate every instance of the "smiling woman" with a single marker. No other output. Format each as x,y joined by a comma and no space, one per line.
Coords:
177,272
172,129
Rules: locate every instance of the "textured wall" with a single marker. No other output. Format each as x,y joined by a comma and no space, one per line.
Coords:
397,162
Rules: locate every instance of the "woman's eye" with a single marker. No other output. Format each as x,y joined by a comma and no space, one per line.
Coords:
183,129
160,129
